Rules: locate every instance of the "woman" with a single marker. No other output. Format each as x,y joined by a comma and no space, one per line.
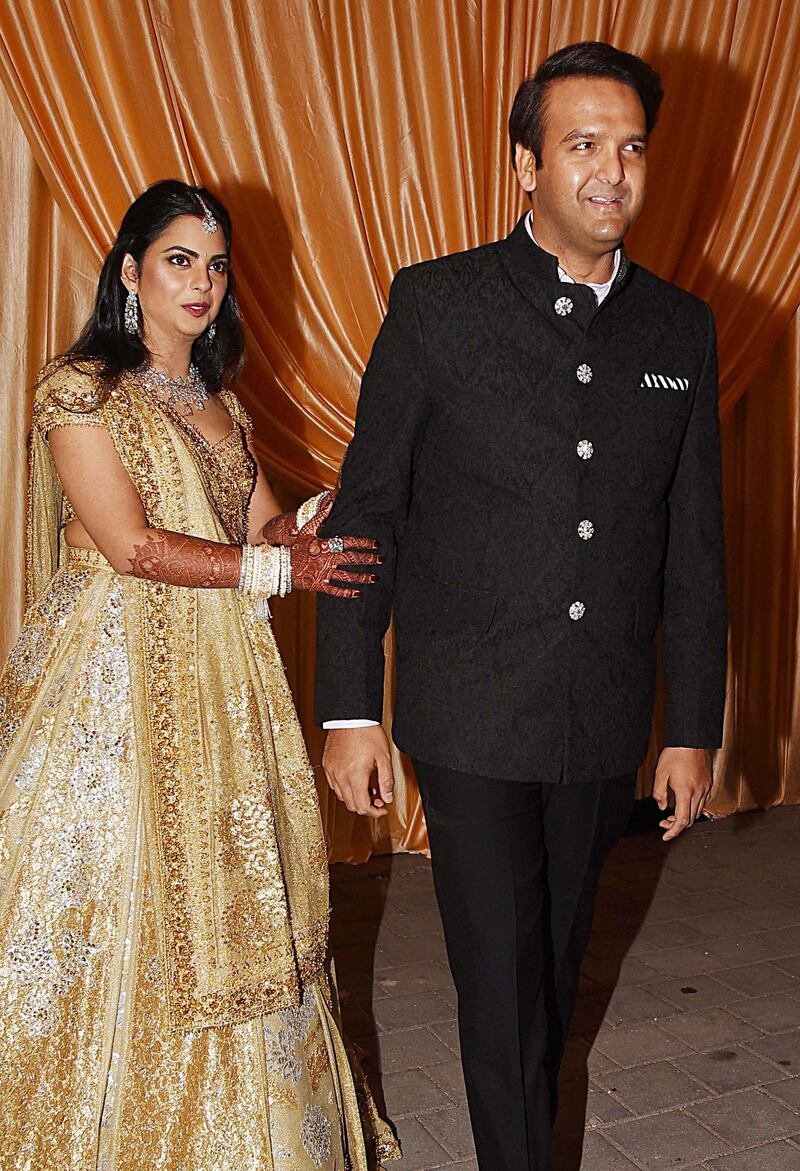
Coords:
163,878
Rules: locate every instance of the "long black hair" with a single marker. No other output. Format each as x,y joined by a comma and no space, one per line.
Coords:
104,347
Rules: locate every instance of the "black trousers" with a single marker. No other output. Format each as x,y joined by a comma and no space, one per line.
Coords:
515,867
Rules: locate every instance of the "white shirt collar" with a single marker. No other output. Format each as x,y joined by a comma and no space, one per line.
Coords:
600,291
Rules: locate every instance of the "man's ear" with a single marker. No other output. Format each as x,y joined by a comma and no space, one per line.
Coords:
129,273
525,167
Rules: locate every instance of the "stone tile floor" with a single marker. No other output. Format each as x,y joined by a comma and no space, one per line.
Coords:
685,1048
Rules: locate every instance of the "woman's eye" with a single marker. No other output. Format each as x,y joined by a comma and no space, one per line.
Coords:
179,260
581,145
219,266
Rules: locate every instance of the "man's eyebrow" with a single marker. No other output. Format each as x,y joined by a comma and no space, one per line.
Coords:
190,252
580,135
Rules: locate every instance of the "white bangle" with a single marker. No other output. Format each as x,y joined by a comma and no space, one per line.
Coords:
309,508
288,571
247,575
266,571
285,580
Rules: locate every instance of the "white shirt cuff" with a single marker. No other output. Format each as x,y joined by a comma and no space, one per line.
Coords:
350,724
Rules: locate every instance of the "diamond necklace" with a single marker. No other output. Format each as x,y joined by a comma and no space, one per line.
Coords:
184,395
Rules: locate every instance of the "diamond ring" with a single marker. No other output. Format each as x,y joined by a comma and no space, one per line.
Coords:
336,545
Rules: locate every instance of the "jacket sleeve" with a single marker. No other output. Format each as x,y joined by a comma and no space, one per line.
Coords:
373,501
695,622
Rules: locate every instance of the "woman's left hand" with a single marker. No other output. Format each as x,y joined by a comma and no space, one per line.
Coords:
283,530
338,571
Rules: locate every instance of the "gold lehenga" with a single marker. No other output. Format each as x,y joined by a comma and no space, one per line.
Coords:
164,996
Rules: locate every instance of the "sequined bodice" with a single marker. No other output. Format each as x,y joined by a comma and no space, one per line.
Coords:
229,473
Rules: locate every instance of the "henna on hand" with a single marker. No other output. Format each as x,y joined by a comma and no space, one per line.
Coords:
182,560
283,530
314,565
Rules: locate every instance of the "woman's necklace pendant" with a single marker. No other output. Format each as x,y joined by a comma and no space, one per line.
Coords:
183,395
184,408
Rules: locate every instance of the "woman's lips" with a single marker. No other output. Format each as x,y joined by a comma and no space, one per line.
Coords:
197,308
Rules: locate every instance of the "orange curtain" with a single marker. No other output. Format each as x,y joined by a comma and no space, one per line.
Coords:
47,283
350,138
760,761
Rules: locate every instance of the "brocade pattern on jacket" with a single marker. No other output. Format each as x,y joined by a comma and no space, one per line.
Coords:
543,476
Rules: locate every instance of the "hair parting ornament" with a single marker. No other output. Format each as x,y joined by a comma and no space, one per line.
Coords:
210,225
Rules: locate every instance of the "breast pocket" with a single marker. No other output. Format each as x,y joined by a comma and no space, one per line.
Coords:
652,380
669,395
440,607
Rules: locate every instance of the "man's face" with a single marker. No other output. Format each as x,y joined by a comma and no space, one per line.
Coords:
590,187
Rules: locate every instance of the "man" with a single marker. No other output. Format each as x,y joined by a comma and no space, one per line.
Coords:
537,451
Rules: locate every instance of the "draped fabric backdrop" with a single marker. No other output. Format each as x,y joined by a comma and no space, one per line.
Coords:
351,137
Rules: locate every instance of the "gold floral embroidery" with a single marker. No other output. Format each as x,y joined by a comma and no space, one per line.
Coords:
249,923
282,1094
316,1056
112,747
26,660
205,985
29,662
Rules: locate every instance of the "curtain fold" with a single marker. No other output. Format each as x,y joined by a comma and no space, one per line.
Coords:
759,764
353,138
350,139
47,283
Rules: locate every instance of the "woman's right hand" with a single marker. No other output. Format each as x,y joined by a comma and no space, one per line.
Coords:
283,530
315,566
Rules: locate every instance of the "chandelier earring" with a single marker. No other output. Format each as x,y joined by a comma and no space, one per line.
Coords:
132,312
211,332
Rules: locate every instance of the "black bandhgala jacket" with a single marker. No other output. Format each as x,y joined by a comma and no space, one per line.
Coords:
543,475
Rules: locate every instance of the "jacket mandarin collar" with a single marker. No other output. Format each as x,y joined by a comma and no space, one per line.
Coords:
525,256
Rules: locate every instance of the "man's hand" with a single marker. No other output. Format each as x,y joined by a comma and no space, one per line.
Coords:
687,773
358,767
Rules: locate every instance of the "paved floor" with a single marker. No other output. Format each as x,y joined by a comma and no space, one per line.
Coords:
685,1050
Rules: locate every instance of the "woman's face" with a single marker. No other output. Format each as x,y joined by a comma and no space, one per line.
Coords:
181,281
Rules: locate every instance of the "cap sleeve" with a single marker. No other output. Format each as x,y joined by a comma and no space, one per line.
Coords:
69,397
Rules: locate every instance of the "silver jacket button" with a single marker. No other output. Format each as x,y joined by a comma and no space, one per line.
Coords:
563,306
585,449
586,530
584,373
577,611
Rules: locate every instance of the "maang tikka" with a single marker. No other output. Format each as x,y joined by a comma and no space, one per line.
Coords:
210,225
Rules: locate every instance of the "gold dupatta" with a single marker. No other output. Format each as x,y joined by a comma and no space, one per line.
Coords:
233,826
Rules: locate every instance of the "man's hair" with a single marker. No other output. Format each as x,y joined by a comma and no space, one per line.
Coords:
586,59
